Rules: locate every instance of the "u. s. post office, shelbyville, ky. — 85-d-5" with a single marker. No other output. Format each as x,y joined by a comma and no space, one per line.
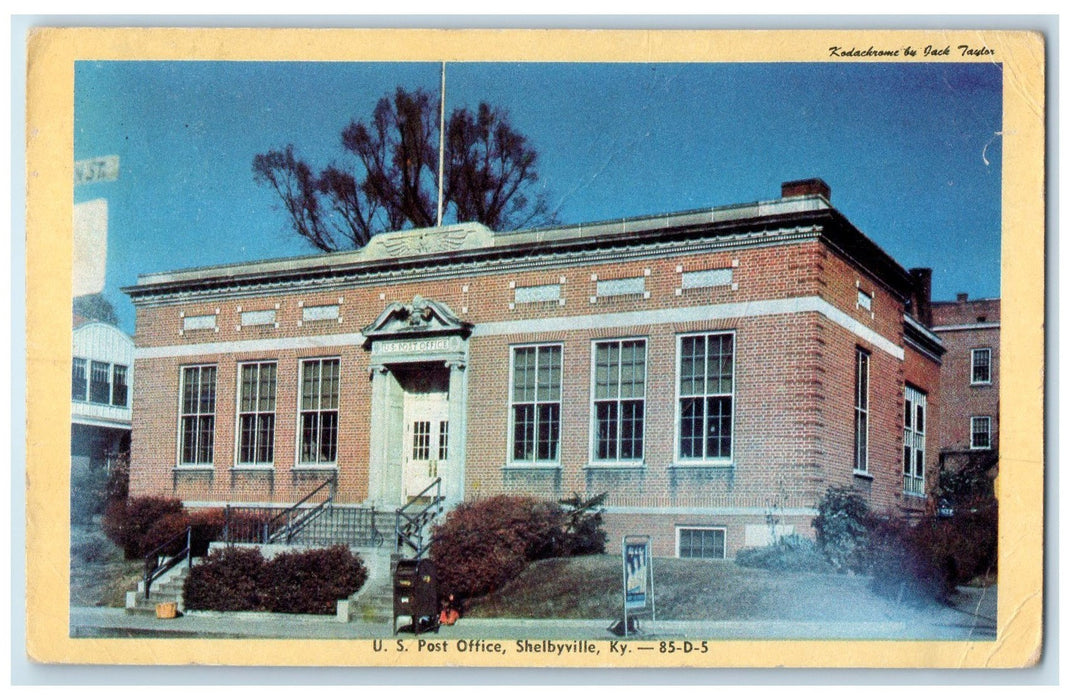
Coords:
705,369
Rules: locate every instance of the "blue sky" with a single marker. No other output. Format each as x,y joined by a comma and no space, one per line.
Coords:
903,147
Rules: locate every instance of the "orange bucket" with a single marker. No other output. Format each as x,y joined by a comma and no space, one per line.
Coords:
166,611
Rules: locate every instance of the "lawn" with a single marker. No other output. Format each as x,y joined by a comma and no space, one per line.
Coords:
590,587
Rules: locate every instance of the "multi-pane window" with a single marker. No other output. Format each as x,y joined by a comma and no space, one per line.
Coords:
861,456
99,382
421,440
914,405
197,422
79,381
319,411
619,399
705,389
443,440
536,403
980,433
700,542
256,413
119,387
981,362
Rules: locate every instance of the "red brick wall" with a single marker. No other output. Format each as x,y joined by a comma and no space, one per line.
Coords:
962,398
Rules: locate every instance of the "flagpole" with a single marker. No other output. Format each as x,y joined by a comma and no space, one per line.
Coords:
441,140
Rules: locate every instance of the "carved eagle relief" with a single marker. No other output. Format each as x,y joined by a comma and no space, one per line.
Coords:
421,243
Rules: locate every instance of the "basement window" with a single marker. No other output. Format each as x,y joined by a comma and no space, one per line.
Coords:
700,542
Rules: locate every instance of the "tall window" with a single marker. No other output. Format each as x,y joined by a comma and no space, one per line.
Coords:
619,399
706,396
981,360
256,414
79,381
319,411
119,386
100,382
536,403
861,457
198,414
980,433
914,442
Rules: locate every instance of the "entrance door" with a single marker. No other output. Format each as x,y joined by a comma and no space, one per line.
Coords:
426,447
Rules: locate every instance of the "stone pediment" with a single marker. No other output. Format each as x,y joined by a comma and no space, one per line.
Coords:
423,317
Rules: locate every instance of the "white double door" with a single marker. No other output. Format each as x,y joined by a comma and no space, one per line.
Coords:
426,447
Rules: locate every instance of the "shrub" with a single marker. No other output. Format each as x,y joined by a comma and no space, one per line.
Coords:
790,553
93,548
842,524
583,528
311,582
207,528
128,523
228,579
928,560
238,578
484,544
167,530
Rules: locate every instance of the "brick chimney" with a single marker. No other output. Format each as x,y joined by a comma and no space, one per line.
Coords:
800,188
921,297
962,297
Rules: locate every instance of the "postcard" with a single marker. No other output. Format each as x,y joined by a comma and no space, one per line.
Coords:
529,348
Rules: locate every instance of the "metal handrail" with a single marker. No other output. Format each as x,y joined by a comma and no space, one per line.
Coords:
412,532
288,513
155,568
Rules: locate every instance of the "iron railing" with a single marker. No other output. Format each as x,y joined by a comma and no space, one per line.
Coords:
322,523
162,559
287,524
411,520
267,525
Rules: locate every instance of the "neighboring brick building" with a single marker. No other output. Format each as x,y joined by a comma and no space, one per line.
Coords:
968,431
714,371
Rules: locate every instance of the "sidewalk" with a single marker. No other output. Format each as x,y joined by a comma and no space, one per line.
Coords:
973,617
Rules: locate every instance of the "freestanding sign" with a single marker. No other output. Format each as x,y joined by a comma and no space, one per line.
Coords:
638,578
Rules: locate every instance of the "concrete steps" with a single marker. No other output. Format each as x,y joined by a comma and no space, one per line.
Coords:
167,589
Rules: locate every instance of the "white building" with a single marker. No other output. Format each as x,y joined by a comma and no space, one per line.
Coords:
102,374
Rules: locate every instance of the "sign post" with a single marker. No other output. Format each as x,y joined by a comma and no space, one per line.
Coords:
638,575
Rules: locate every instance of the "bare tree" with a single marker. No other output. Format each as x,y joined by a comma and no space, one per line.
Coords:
388,178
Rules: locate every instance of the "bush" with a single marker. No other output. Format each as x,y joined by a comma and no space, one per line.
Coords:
583,528
128,523
483,545
238,578
928,560
207,528
228,579
790,553
312,581
167,530
842,524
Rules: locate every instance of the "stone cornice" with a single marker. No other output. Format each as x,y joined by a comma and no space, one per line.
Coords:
488,261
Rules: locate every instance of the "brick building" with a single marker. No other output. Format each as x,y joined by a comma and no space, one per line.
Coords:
713,371
968,432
